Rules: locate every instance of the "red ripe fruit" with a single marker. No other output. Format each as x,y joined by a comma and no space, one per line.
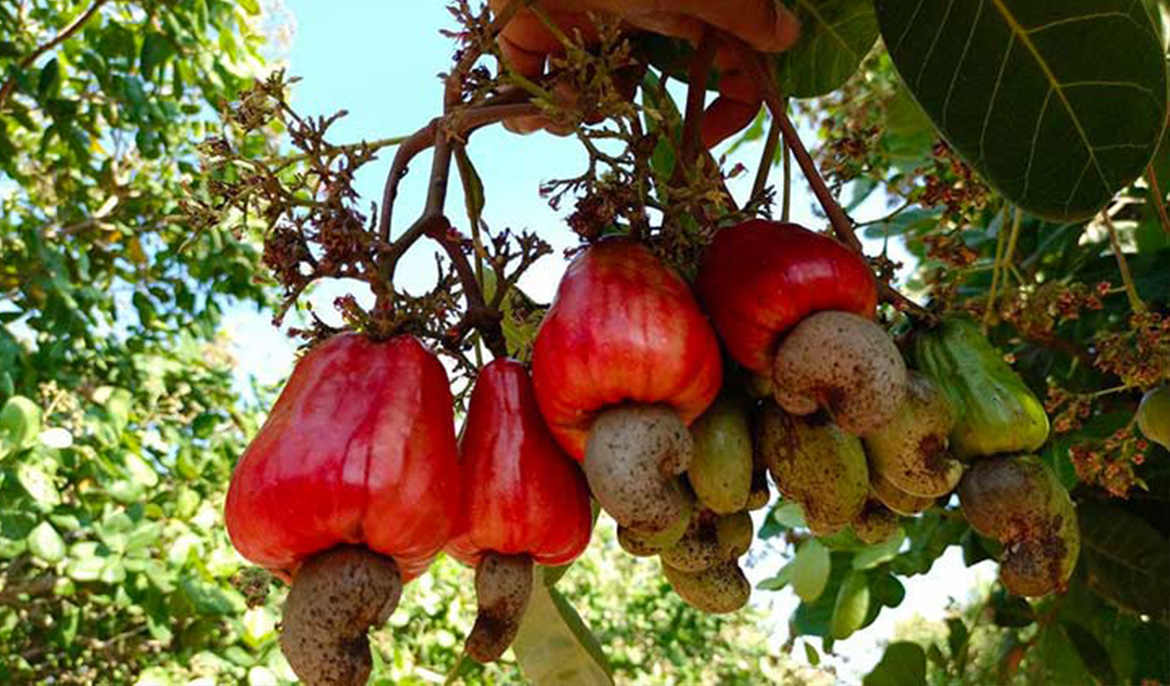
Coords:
350,489
761,278
797,307
623,362
524,501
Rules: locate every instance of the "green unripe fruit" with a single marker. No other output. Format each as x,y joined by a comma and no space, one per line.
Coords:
710,540
912,450
721,466
995,410
816,464
898,500
715,590
1020,502
642,544
875,524
1153,416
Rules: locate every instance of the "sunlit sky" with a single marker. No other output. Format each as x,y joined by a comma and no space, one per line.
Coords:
379,61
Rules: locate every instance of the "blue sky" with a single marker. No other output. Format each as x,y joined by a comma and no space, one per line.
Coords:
379,61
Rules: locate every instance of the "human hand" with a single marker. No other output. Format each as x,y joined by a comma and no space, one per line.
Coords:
766,25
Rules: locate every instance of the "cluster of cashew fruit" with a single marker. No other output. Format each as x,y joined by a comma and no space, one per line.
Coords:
853,435
356,480
700,552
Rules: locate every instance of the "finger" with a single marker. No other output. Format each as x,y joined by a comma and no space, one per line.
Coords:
726,117
525,62
763,24
766,25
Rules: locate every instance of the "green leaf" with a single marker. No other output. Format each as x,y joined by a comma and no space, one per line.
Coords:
252,7
20,423
1127,559
49,85
789,514
778,581
887,590
852,605
811,654
874,555
1058,105
835,36
810,570
1010,610
903,664
553,645
85,562
1092,653
39,484
156,50
46,544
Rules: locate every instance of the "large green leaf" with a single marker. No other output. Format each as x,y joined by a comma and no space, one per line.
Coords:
553,645
835,35
903,664
1057,104
1127,560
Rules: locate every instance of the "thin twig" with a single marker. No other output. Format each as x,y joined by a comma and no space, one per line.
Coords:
1159,199
700,69
10,85
460,123
995,271
786,206
1135,300
842,226
767,160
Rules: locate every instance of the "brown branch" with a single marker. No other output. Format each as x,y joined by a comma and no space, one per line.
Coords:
758,68
1135,300
10,85
1159,199
700,69
842,225
767,160
460,123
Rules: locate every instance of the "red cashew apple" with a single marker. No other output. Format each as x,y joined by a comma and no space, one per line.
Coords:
524,501
349,489
797,307
623,362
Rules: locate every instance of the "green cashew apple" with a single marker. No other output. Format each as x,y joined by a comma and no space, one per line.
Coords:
648,544
721,464
715,590
875,523
912,450
1153,416
816,464
896,499
996,412
1020,502
710,540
